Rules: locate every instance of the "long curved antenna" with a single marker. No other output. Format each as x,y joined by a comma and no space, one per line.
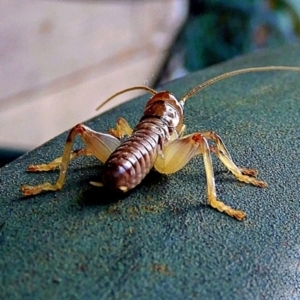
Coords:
234,73
142,87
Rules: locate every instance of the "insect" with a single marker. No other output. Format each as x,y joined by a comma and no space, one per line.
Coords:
157,141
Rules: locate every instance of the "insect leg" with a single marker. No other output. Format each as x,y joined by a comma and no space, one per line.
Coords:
122,129
179,152
182,131
210,135
98,144
56,162
176,154
239,173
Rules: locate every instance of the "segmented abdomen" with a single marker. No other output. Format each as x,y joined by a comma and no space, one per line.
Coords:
128,165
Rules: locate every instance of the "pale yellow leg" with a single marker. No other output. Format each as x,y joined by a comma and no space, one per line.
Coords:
122,129
179,152
98,144
182,131
57,162
240,173
210,135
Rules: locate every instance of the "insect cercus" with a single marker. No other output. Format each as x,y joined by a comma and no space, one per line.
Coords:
157,141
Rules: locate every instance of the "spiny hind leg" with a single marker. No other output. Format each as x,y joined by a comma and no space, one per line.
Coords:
98,144
122,129
179,152
221,148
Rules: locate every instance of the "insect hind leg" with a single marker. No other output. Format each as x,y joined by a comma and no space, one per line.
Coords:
179,152
98,144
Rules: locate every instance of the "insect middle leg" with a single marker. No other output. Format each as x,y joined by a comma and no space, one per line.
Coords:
179,152
221,148
57,162
98,144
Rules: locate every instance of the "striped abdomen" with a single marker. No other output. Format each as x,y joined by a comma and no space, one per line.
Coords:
128,165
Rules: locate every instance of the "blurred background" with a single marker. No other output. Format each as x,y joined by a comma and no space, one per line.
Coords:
60,59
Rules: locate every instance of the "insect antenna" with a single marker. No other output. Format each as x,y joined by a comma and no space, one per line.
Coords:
234,73
142,87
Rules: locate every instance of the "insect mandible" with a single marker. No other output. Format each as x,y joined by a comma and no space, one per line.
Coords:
157,141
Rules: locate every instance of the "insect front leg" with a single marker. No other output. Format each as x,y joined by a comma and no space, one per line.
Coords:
98,144
179,152
122,129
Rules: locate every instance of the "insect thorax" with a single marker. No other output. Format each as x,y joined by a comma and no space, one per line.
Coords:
167,108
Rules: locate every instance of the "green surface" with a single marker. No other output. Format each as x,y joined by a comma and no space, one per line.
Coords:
162,241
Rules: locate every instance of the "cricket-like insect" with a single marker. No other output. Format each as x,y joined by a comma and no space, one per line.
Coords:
156,141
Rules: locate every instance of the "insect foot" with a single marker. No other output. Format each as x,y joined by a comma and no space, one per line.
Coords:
237,214
252,180
261,184
249,172
38,168
222,207
28,190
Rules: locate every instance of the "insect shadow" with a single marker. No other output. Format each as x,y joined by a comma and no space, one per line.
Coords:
95,196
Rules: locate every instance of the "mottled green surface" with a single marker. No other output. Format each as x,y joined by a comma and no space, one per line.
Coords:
162,241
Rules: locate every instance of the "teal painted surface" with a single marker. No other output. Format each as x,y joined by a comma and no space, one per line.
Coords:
162,241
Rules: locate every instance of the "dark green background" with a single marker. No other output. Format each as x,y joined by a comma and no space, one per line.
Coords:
162,241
